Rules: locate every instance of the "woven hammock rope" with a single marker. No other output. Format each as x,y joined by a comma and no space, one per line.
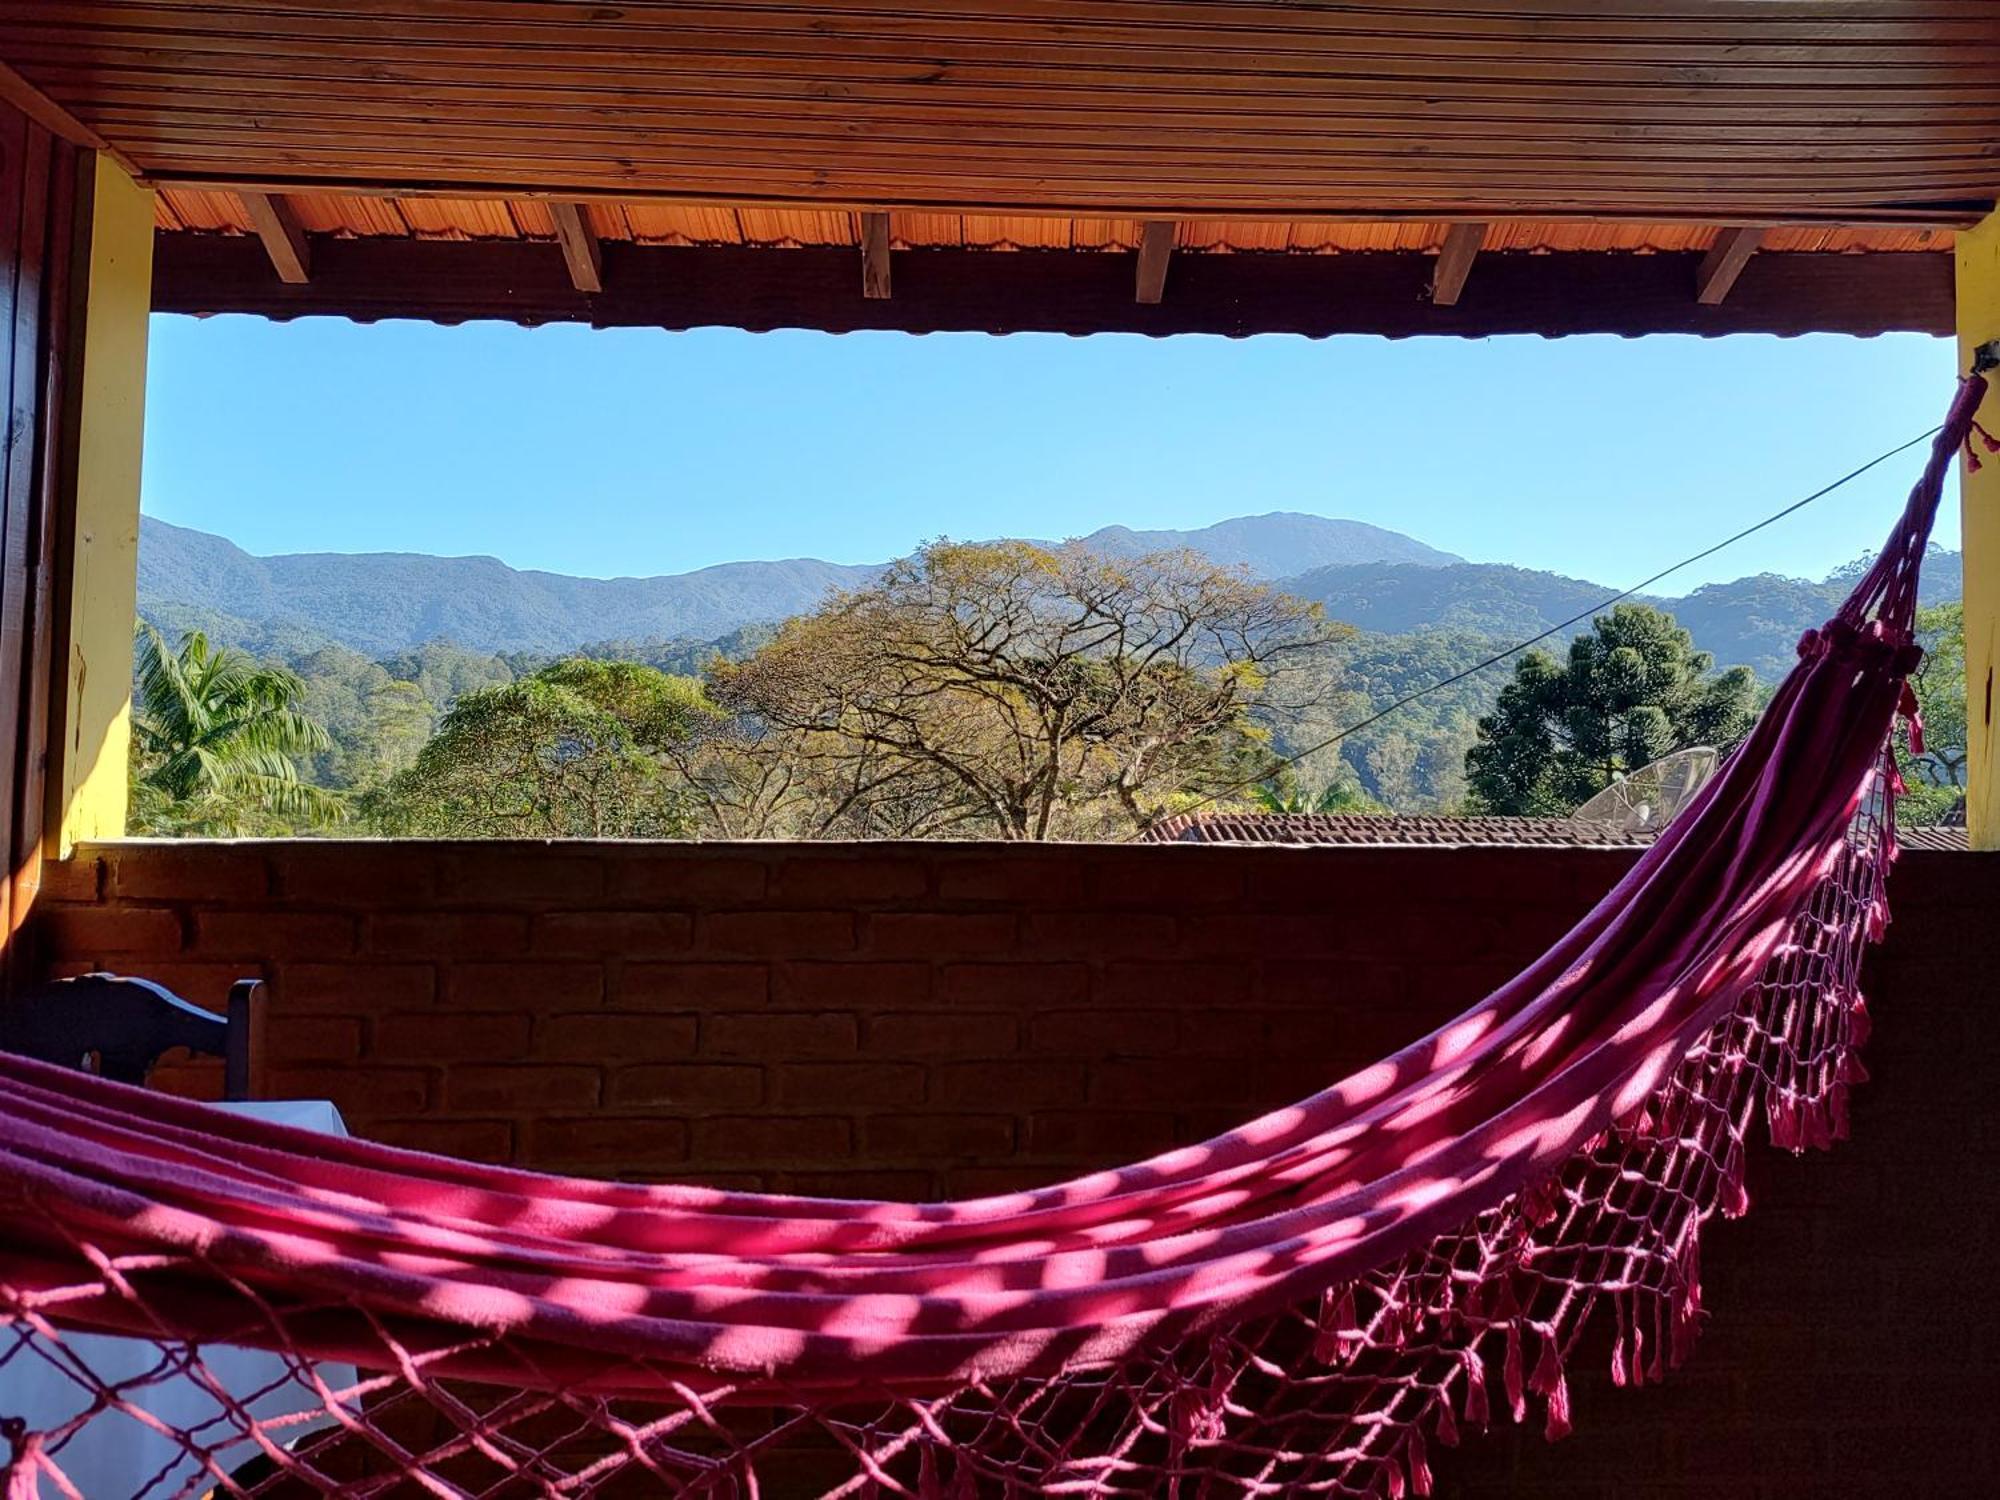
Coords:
1313,1304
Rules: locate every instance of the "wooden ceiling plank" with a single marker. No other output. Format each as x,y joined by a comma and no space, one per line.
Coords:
1454,263
1156,247
1724,262
875,256
277,225
581,251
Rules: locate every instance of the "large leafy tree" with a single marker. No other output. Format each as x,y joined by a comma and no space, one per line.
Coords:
580,749
1633,688
1023,691
216,740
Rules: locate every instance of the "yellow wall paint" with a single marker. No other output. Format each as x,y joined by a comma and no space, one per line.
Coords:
1979,321
110,439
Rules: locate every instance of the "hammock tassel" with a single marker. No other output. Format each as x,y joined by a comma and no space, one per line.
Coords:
928,1485
1418,1461
1549,1382
1339,1338
24,1460
1510,1372
1447,1424
1478,1415
1687,1302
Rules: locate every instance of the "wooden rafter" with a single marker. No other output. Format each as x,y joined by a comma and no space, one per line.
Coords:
1156,247
1724,262
581,251
875,256
284,238
1462,243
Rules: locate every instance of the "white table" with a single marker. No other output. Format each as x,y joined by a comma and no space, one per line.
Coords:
117,1457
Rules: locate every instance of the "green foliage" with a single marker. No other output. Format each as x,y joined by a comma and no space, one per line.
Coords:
1936,779
1632,689
580,749
214,741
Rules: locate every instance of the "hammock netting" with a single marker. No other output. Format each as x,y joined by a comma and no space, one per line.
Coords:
1312,1304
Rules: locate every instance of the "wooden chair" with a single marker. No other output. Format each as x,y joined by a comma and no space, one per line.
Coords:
118,1027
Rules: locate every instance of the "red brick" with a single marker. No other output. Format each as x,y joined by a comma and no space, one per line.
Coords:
847,882
361,1094
778,934
274,934
601,1141
81,878
356,876
528,1089
294,1039
523,986
1104,1033
1099,934
536,877
767,1139
1017,985
690,986
867,985
445,935
1341,986
355,987
689,1085
940,935
458,1037
929,1138
474,1140
995,1181
609,1037
612,934
848,1085
213,874
1138,881
91,931
1170,1083
641,876
928,1034
1101,1137
1015,1085
780,1035
1030,877
1177,984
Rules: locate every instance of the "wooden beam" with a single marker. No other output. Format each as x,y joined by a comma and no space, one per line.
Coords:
284,240
1075,291
1724,262
1156,246
51,116
875,256
581,251
1462,243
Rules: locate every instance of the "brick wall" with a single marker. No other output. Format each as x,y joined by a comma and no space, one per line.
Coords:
917,1020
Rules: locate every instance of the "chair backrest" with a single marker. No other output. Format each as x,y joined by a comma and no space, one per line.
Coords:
123,1025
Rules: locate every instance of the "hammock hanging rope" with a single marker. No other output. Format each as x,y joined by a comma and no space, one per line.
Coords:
1310,1304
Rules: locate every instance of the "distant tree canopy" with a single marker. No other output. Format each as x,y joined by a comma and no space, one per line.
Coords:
215,740
1936,778
1632,689
1026,692
580,749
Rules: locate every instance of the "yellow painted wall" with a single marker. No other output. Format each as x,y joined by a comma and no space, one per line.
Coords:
110,440
1979,321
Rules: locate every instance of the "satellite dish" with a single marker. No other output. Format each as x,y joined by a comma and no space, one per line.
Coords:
1649,798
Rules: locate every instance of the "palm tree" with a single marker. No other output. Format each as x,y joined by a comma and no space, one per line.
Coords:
217,730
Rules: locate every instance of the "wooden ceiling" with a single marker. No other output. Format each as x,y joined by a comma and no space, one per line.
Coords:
1717,111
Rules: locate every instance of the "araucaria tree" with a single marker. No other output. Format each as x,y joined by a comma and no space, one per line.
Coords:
215,740
1025,692
1633,689
581,749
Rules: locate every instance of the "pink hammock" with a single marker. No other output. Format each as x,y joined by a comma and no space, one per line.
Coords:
1310,1304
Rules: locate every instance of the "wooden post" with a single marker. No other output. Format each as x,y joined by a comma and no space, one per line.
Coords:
1979,322
100,534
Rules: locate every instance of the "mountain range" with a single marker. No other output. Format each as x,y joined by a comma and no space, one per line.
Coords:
1379,580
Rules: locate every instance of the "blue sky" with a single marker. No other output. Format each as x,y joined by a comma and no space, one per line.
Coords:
636,451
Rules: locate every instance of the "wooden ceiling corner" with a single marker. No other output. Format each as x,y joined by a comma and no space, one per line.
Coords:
581,252
285,241
1724,262
875,283
1462,244
1156,247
